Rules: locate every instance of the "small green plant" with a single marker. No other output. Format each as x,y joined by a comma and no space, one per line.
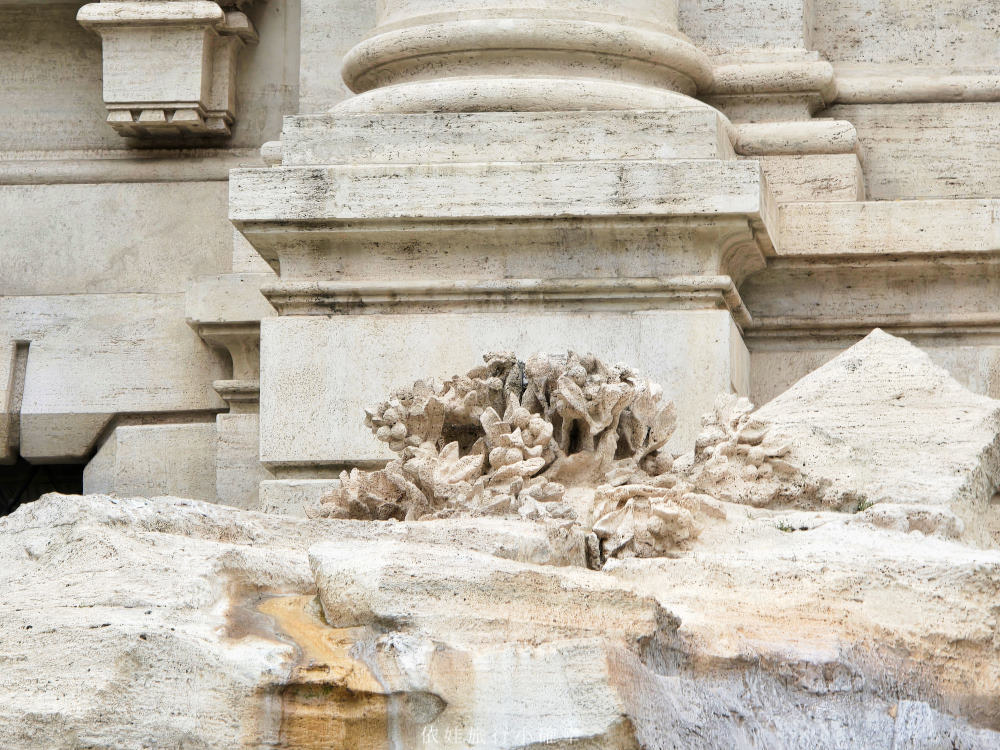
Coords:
863,505
782,526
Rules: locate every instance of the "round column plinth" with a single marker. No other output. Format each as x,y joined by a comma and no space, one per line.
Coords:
490,55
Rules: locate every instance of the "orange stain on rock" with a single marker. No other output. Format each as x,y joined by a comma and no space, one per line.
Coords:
331,700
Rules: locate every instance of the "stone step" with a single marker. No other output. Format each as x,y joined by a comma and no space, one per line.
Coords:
682,133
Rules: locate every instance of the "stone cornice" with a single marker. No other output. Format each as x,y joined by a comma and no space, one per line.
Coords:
400,297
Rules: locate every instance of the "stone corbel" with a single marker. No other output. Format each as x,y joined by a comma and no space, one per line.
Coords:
225,311
242,342
170,66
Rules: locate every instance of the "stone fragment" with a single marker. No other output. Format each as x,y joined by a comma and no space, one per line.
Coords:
879,424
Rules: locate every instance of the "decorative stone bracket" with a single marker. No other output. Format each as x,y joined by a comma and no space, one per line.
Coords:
242,342
169,67
226,312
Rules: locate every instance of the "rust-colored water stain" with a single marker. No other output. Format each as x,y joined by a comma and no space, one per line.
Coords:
331,700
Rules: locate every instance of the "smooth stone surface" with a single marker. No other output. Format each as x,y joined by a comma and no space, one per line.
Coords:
895,139
157,459
776,364
92,356
813,178
124,238
888,227
237,471
312,410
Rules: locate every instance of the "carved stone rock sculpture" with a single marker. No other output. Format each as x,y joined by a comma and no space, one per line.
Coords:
880,430
568,438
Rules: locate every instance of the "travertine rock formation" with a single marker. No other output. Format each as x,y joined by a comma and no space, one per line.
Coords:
166,622
879,429
564,437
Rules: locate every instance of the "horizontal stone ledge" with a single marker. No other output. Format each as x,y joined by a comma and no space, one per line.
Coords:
688,132
701,187
901,85
956,261
680,292
785,77
808,137
238,391
165,12
131,166
899,324
889,227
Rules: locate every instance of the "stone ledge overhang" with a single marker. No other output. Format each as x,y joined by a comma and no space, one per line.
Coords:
593,234
620,294
912,267
440,192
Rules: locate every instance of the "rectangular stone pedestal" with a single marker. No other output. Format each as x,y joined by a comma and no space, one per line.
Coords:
318,373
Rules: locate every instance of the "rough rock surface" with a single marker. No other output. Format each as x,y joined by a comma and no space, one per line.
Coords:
170,623
880,425
851,611
134,623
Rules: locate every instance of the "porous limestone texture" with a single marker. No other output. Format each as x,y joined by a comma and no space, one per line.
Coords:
167,622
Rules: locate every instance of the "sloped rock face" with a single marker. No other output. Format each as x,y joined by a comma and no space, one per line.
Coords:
879,427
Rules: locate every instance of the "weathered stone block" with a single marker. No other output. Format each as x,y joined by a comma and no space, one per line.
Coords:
682,133
881,423
154,460
314,395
